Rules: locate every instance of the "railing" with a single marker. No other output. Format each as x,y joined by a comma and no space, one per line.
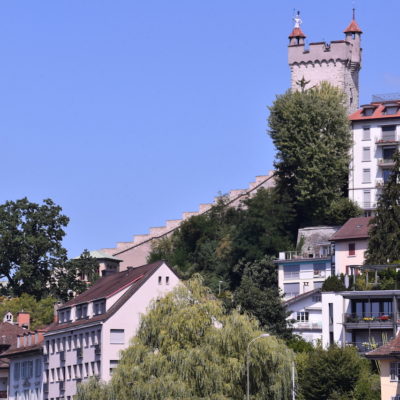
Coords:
385,162
307,325
296,255
364,347
370,318
389,139
369,204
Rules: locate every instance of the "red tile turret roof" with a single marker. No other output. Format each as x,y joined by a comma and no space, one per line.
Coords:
297,32
353,27
378,113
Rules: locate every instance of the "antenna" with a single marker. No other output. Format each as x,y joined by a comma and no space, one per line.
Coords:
354,13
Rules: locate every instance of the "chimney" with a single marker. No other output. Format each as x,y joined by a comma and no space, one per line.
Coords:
56,307
24,319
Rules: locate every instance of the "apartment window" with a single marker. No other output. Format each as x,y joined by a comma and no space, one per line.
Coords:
113,365
93,338
86,369
366,154
160,280
352,249
99,307
395,371
87,339
316,298
389,132
391,110
330,305
291,271
366,175
69,342
291,289
319,270
38,367
302,316
368,111
367,198
69,372
117,336
81,311
397,397
388,153
17,371
318,285
386,175
167,280
366,133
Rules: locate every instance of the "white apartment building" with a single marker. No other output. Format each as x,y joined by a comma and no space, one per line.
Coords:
95,326
375,134
306,269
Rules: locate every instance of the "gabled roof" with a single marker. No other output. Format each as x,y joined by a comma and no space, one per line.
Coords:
353,27
302,296
297,32
354,228
111,284
390,349
107,286
9,333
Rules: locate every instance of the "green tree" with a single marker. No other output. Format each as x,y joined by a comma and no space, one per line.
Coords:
42,311
30,245
259,295
311,133
74,276
336,373
189,347
333,283
384,234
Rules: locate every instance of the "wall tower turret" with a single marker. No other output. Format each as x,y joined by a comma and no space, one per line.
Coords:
337,62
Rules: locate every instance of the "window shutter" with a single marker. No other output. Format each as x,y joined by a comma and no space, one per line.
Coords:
117,336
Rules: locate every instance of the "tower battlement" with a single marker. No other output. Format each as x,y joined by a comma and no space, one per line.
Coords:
337,62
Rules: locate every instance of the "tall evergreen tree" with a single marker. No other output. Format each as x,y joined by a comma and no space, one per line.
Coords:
311,133
384,241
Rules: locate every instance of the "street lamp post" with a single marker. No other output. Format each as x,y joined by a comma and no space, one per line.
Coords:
248,361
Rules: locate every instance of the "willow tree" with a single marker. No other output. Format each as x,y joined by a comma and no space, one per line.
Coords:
311,133
189,347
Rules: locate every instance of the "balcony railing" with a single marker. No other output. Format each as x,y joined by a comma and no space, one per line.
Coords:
296,255
307,325
385,162
364,347
368,318
369,205
385,140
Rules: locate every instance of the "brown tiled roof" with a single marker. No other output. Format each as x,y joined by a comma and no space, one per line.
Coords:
353,27
354,228
391,348
133,279
19,350
297,32
9,333
112,284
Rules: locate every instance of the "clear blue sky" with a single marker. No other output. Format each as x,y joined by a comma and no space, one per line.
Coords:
127,113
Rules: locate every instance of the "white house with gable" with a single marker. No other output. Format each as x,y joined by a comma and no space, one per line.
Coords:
95,326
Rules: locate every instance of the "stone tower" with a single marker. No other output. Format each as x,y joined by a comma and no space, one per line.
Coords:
337,62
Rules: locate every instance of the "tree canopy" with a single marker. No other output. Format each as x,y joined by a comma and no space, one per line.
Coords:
311,133
189,347
384,234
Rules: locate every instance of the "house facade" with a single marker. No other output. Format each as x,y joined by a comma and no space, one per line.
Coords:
351,243
365,319
375,131
95,326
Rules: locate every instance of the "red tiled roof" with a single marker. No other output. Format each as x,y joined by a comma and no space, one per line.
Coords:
354,228
297,32
112,284
379,112
353,27
133,279
391,348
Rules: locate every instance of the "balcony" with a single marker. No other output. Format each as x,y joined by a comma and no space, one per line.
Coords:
307,326
296,255
386,140
364,347
369,320
385,162
369,205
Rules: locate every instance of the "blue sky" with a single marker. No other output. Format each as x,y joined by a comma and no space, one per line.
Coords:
127,113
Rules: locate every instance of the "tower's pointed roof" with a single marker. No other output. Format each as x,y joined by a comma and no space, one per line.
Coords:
297,33
353,26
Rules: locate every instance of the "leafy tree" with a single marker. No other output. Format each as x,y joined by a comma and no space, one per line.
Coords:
340,211
384,234
30,245
75,276
42,311
259,295
336,373
189,347
333,283
311,133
